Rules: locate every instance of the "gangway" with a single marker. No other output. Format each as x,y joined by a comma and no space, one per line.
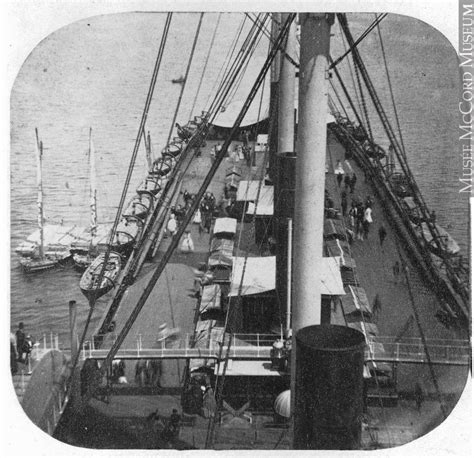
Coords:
258,347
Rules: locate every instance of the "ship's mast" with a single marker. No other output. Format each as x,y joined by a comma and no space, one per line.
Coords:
284,183
274,76
39,183
310,169
286,112
310,184
93,186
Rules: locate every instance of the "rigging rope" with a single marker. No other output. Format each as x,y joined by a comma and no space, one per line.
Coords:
229,81
346,93
374,24
220,379
264,29
225,63
190,213
141,129
391,89
252,47
420,330
351,73
183,86
356,280
366,165
418,197
201,79
364,104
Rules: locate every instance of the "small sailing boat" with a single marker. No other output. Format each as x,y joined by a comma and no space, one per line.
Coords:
54,255
91,285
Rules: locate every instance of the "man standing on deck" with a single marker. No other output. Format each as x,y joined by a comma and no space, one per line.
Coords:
382,234
20,341
344,203
353,182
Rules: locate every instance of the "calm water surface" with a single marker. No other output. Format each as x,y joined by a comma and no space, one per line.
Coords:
95,73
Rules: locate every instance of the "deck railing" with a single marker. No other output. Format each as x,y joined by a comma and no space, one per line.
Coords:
258,347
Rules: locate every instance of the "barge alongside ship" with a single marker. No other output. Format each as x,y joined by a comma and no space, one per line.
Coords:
239,350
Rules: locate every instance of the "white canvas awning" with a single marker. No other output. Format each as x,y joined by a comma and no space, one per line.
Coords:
259,276
249,191
264,204
331,281
225,225
256,113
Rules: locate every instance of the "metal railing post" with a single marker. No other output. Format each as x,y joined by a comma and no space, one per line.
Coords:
44,341
398,351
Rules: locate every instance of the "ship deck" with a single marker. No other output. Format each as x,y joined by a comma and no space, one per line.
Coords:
122,422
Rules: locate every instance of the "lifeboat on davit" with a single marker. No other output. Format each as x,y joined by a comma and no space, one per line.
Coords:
139,206
162,166
448,245
91,285
150,185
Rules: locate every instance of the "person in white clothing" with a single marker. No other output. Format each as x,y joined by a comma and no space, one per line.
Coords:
187,245
367,221
172,225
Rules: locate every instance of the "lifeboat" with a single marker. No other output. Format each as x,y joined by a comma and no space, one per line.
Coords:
150,185
90,284
139,207
127,232
448,244
173,150
162,166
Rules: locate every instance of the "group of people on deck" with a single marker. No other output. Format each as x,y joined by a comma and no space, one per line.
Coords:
360,218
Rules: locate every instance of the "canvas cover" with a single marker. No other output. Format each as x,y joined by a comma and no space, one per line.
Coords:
259,276
225,225
355,301
210,298
264,204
